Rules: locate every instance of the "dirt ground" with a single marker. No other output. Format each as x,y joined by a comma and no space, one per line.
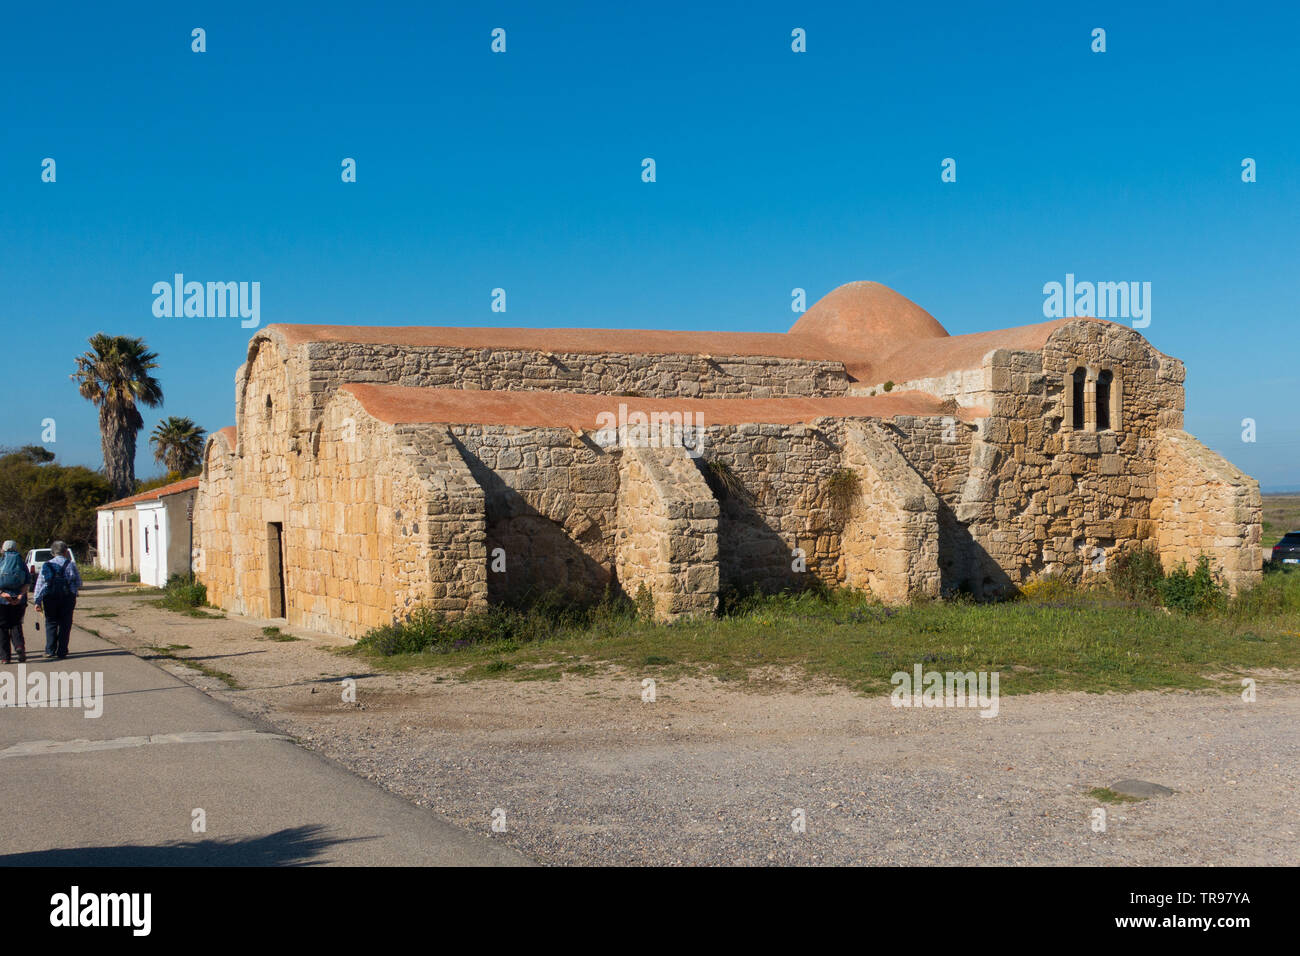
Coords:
582,770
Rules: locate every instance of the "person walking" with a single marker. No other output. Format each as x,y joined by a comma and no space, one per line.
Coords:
56,595
14,584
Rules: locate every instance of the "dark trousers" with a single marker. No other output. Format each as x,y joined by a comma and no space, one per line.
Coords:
58,627
11,631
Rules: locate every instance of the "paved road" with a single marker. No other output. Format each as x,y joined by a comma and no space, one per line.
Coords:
121,789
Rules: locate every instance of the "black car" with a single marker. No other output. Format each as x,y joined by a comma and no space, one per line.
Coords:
1287,551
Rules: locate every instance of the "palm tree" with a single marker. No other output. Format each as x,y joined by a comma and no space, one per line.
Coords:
114,376
178,444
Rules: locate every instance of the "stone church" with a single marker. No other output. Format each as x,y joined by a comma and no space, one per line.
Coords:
373,470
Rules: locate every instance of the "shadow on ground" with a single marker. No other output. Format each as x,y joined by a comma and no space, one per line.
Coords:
296,846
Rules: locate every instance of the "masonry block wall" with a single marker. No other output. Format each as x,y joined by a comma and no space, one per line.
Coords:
1204,505
214,540
667,532
549,503
891,538
1042,496
317,369
1052,450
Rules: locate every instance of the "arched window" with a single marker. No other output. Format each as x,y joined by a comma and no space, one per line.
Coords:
266,412
1103,400
1080,376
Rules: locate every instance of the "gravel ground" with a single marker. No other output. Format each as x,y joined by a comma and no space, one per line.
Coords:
710,773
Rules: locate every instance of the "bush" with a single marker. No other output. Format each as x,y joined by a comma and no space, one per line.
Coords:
1049,589
183,591
1138,574
41,501
1193,592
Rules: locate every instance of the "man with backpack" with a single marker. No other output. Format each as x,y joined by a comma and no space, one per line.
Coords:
13,602
56,595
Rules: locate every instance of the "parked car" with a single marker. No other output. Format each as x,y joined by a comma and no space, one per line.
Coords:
36,559
1287,551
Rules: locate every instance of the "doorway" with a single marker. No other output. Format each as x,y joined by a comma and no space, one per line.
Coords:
275,568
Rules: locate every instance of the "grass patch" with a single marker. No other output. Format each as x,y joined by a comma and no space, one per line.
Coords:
184,594
168,652
1107,795
103,614
1281,514
275,634
1060,639
94,572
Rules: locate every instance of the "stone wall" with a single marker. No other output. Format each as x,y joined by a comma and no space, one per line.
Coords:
386,518
667,532
331,364
969,387
550,502
213,517
369,520
1041,497
775,485
1204,505
891,538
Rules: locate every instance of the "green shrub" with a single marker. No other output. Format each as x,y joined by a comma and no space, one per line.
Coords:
645,603
185,591
1193,592
1138,574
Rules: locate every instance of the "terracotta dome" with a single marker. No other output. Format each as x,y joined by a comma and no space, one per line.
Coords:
867,315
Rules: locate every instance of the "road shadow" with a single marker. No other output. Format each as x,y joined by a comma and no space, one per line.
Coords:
295,846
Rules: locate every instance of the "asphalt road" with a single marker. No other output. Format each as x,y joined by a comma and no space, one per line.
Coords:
123,789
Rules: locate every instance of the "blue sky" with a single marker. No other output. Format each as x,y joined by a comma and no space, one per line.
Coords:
522,170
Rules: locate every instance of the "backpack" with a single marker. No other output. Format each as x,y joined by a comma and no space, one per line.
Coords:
57,585
13,572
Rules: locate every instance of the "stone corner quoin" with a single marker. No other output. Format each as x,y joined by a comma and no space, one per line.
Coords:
374,470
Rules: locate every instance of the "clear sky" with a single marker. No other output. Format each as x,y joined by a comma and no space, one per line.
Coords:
522,170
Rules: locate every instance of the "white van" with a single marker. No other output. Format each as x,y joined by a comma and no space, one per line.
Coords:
37,557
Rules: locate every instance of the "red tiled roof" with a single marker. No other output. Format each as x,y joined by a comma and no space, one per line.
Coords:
396,404
175,488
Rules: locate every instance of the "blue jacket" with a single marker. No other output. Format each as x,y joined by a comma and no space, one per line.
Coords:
69,569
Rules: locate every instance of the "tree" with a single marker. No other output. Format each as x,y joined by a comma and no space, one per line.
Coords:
178,445
41,502
114,376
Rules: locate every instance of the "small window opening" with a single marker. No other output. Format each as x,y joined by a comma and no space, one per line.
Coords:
1080,376
1103,400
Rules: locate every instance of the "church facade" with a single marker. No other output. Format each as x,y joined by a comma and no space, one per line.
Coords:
373,470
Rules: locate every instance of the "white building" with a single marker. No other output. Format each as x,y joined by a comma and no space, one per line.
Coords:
149,533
